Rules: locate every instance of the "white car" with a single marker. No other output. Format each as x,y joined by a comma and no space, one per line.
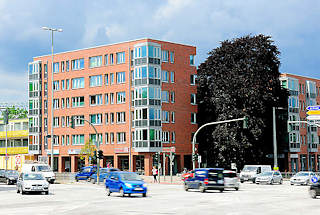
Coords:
231,180
269,177
302,178
32,182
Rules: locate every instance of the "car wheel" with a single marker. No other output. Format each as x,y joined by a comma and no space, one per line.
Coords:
108,191
186,187
8,182
93,181
129,194
281,181
47,193
202,189
241,181
221,190
121,192
291,184
144,194
236,188
313,194
271,182
77,179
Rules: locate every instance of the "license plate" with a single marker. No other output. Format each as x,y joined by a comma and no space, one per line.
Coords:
138,189
245,179
36,188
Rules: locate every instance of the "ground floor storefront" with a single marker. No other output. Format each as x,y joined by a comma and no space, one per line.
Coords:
141,163
304,162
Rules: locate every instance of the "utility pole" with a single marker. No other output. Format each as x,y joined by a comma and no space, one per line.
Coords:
275,154
164,166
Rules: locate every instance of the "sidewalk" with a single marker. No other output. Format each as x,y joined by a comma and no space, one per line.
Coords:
163,180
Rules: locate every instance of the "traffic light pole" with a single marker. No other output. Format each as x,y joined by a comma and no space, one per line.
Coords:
98,143
210,123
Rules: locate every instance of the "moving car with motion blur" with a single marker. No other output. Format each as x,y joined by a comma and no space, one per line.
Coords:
314,189
302,178
32,182
125,183
103,173
231,180
269,178
206,179
250,172
85,173
187,175
10,177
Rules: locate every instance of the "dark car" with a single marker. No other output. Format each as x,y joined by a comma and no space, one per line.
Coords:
315,190
103,173
125,183
206,179
85,173
10,177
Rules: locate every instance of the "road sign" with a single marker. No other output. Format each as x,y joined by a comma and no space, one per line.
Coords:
169,149
313,108
233,166
313,117
314,179
199,159
313,112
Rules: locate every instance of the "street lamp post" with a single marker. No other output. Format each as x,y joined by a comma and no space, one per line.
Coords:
52,107
275,149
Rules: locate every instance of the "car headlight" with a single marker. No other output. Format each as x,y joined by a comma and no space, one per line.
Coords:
144,185
128,185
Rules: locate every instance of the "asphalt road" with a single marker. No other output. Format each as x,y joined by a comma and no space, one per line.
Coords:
86,198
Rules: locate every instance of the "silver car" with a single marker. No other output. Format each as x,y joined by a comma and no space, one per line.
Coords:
32,182
231,180
269,178
302,178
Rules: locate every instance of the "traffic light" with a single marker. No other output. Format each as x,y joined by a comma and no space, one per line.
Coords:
94,157
100,154
245,122
5,116
156,157
72,122
194,157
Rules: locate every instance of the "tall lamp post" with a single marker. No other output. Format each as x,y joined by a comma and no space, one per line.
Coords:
52,107
275,149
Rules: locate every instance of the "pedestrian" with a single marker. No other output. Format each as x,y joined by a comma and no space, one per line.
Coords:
154,173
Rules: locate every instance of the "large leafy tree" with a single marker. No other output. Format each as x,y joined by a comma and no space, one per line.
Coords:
240,78
87,152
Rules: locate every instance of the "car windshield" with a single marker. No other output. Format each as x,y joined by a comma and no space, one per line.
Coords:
266,174
230,175
103,171
12,173
43,168
130,177
33,177
250,168
302,174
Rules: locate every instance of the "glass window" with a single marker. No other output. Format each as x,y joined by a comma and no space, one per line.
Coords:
164,55
171,57
192,60
193,118
77,83
56,67
106,79
78,101
95,61
121,97
96,119
78,139
95,80
193,99
77,64
95,99
120,57
165,76
172,77
121,77
111,78
165,96
106,59
111,59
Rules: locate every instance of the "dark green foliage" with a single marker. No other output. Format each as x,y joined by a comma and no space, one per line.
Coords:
17,113
240,78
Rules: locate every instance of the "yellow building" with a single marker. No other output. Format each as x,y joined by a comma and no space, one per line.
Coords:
17,144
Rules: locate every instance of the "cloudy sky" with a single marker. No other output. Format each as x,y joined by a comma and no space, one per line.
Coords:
293,25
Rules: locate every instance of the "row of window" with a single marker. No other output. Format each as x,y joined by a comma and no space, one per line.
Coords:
94,61
79,139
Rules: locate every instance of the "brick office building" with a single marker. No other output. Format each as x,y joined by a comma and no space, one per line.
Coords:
303,139
147,82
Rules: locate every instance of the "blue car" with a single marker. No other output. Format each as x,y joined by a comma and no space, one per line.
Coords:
85,173
103,173
125,183
206,179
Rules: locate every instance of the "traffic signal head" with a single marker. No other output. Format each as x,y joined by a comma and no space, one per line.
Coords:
100,154
94,155
5,116
72,122
245,122
194,157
